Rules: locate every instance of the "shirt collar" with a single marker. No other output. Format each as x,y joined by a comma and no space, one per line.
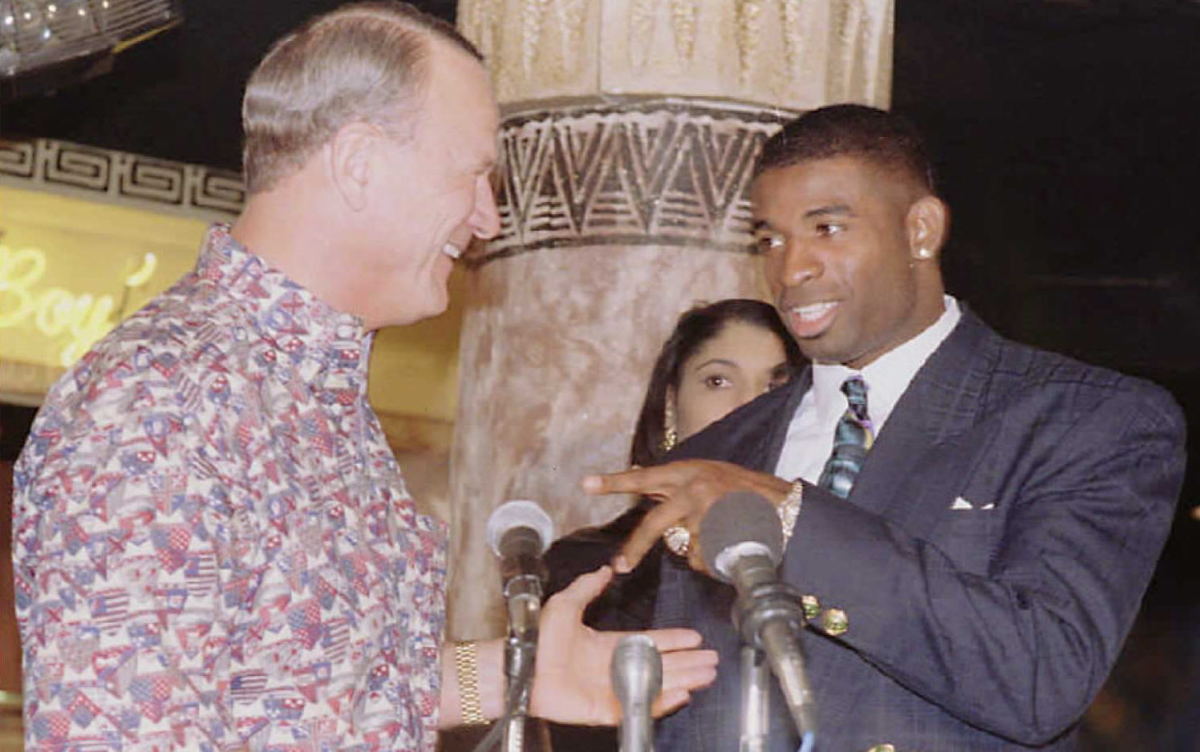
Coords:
887,377
301,326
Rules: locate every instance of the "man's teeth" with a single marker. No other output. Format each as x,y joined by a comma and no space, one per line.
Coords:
451,250
814,311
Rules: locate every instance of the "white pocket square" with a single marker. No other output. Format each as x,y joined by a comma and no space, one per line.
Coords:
961,503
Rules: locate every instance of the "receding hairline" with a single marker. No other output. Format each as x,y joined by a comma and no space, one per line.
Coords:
428,30
430,27
311,81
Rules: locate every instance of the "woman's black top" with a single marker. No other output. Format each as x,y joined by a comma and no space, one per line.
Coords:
627,603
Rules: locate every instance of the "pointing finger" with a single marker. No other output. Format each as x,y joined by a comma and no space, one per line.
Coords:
646,481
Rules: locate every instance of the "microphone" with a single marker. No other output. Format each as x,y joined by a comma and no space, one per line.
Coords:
519,532
742,544
637,680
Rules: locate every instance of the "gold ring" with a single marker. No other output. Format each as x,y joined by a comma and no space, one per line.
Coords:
678,540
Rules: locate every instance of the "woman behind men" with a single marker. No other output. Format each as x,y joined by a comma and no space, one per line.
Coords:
719,357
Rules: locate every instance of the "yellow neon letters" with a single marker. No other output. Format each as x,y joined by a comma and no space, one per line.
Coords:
55,311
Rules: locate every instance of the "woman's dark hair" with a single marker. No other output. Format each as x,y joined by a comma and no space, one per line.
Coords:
694,329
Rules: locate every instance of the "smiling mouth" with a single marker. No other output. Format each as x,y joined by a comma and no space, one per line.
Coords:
813,311
452,250
812,319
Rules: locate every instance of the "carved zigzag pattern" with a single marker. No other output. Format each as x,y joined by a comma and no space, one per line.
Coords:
670,175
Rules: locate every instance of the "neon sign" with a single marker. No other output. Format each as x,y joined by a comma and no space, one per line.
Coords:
55,311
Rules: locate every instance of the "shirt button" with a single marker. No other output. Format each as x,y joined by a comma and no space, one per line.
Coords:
812,606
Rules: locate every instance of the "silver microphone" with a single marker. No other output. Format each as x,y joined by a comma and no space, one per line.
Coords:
637,680
519,533
742,543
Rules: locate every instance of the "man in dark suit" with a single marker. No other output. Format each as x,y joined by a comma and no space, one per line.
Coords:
975,521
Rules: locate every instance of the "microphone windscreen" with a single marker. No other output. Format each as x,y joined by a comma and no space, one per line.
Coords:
515,514
740,517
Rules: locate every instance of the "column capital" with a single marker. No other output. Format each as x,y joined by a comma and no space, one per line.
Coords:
794,54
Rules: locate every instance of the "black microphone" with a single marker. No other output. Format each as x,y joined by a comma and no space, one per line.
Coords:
637,680
742,543
519,533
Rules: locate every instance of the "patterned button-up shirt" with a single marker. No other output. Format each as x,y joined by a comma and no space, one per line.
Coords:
214,547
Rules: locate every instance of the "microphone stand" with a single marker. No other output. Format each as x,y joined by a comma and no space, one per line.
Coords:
756,674
768,617
743,543
524,597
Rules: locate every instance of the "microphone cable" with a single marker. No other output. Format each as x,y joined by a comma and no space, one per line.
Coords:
512,702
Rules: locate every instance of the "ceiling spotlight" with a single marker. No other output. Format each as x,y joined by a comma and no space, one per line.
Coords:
39,34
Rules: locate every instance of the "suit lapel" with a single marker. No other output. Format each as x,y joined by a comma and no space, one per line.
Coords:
751,436
942,401
777,433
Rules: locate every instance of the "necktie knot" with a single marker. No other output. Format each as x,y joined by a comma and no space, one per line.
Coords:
855,390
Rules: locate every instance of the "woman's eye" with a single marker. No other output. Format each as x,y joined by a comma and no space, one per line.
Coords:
715,381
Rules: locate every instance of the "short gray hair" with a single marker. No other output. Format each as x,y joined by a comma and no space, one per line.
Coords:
365,61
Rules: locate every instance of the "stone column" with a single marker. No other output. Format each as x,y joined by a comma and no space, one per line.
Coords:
629,131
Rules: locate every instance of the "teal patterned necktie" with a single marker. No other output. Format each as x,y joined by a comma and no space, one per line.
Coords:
851,440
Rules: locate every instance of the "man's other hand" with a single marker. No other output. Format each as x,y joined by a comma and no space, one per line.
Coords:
573,681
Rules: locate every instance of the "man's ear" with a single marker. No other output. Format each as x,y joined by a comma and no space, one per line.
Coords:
350,162
927,222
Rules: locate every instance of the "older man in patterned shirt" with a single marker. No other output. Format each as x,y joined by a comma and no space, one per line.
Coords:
215,549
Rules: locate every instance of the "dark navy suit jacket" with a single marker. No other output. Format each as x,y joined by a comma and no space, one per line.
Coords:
990,558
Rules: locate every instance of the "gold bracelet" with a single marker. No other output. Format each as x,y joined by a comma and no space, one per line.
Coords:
789,508
466,668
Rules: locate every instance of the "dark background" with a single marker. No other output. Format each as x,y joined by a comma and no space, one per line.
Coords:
1065,133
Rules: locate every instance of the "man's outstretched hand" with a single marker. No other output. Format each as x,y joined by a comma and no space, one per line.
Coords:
685,490
573,684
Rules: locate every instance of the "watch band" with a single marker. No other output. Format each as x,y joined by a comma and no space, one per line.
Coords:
466,668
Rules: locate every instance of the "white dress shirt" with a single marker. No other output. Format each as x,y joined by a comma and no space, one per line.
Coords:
810,434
